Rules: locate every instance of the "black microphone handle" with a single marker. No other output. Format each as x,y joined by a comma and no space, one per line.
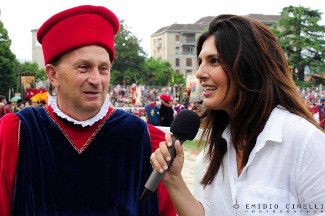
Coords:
155,177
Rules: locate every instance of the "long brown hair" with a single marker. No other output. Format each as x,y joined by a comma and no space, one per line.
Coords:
250,54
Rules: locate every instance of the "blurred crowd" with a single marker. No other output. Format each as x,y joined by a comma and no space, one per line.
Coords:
314,99
142,100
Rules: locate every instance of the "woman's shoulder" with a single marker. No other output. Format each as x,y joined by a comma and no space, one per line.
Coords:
300,129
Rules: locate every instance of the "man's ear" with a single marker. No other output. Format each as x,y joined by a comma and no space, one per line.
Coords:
51,72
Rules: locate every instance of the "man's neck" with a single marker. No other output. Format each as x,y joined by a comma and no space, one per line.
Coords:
88,118
79,115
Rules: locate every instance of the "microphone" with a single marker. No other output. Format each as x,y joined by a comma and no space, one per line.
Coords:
184,127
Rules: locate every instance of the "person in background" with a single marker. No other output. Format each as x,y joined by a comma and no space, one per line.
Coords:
321,107
166,113
151,110
4,108
78,156
177,107
262,144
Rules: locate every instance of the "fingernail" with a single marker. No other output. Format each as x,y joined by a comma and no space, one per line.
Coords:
161,171
165,167
169,144
168,158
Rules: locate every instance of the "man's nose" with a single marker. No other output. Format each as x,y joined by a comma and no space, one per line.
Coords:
94,77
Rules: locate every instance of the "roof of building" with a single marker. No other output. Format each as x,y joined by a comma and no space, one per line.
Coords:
265,18
182,27
204,22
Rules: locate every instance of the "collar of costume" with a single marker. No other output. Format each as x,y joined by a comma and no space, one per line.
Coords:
89,122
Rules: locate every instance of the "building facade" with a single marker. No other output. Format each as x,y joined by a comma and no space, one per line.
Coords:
37,52
176,43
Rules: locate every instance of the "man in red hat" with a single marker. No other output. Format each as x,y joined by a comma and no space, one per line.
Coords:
78,156
166,113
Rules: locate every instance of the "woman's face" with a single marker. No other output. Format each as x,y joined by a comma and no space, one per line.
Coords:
214,79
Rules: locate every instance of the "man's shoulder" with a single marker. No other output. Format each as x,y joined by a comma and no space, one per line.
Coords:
127,117
29,111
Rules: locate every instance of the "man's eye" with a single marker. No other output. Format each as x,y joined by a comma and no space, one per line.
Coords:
104,70
82,67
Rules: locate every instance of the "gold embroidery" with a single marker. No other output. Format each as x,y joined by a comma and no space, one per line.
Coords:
92,136
19,123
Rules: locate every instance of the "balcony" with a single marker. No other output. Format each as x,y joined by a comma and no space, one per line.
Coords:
158,43
188,40
188,53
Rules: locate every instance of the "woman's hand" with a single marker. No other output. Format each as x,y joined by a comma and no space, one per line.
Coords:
161,156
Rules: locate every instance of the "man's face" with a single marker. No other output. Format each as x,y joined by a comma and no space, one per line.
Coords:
83,77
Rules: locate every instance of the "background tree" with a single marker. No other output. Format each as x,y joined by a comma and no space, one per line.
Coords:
8,63
302,39
129,58
160,73
33,67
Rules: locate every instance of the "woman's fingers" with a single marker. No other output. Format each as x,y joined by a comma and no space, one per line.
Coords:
160,157
161,161
169,139
179,149
155,163
164,150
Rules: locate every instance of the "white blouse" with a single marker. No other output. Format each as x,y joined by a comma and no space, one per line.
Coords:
285,173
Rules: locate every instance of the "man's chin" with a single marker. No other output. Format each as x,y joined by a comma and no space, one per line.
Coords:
93,106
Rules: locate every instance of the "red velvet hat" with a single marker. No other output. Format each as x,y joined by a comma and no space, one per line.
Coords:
77,27
164,97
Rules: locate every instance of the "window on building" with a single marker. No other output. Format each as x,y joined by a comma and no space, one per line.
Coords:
177,71
188,62
177,38
177,62
177,50
190,50
188,72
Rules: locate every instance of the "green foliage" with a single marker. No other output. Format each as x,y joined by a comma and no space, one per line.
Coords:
129,58
304,84
8,63
132,64
302,39
178,79
160,73
33,67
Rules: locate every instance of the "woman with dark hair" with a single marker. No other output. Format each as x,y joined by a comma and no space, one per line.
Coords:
264,151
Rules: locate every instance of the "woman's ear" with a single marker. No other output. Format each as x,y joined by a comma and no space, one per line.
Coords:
51,72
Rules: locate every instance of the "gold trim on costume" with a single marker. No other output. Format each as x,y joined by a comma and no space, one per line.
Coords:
92,136
19,123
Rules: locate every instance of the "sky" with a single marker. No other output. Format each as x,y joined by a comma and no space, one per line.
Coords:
143,17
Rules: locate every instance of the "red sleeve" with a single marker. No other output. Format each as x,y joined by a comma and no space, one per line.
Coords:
166,206
2,111
8,160
9,110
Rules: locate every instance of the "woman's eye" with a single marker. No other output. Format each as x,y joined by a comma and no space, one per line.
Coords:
214,60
